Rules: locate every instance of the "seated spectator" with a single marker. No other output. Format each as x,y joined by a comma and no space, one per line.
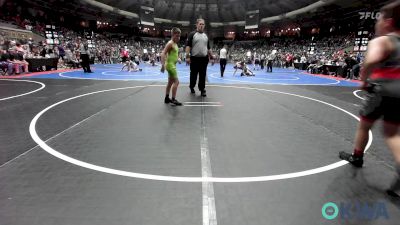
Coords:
13,66
19,58
351,64
5,66
71,59
43,52
18,48
50,54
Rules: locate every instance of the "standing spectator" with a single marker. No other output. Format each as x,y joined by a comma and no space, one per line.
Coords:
271,58
61,52
197,55
136,58
303,59
262,62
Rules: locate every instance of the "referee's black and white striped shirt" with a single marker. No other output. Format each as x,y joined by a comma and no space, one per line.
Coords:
198,43
83,49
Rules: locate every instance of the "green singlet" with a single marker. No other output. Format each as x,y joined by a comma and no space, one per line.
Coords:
171,61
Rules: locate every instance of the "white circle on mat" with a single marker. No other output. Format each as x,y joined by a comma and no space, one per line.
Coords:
259,82
28,93
47,148
358,96
127,78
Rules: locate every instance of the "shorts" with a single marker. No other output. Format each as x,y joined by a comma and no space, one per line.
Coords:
377,105
172,73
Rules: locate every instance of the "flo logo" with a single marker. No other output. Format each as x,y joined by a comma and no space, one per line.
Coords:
355,211
369,15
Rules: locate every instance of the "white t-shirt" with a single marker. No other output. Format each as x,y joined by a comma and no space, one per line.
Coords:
222,53
248,54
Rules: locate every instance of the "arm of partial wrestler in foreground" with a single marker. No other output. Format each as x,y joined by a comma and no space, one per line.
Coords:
210,54
378,50
187,50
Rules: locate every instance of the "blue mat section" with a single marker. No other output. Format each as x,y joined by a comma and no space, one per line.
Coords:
152,73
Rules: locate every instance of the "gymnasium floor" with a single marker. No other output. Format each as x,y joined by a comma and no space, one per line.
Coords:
103,148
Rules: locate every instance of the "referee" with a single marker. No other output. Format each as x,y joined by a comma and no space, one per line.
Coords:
222,59
84,51
197,55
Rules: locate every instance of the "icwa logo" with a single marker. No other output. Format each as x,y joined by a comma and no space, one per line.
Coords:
355,211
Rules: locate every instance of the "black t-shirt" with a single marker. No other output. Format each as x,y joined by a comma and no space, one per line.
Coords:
11,57
4,57
43,52
350,62
19,56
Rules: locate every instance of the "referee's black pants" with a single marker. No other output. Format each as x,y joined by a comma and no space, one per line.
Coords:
222,64
85,63
269,66
198,65
262,63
